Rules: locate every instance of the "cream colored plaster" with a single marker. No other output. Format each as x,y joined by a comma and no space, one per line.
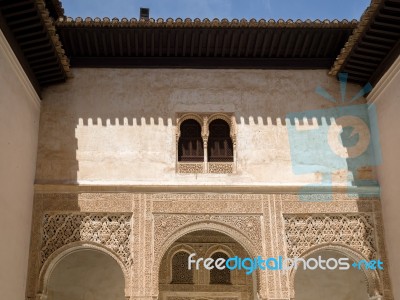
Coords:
330,284
86,275
386,98
19,120
117,126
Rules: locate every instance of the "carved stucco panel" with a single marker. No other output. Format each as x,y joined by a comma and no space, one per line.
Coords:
353,230
111,230
165,225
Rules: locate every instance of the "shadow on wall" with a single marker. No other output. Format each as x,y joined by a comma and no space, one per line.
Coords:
144,112
86,274
330,284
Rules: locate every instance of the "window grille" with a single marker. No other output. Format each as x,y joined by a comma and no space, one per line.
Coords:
190,145
220,276
220,146
180,272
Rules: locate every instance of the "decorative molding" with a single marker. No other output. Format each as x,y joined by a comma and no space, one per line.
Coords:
149,187
190,168
87,202
220,167
19,71
205,23
189,203
342,205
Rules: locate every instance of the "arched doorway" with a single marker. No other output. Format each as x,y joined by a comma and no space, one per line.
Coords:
177,281
86,274
330,284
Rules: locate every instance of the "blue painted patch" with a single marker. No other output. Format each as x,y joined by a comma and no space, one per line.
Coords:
311,146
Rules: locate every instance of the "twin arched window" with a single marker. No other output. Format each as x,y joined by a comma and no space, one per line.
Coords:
190,144
182,275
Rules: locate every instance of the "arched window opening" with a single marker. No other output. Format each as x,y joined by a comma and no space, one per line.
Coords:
190,145
220,276
180,271
220,146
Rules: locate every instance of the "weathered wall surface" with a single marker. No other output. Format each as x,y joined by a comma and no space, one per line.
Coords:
86,275
330,284
385,97
117,126
19,119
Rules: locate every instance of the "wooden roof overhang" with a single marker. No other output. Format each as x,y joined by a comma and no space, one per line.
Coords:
374,44
203,44
29,29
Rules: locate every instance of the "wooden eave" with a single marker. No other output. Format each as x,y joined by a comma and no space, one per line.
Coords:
374,44
30,31
203,43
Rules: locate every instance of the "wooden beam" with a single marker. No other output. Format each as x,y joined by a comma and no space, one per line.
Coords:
144,44
209,33
216,42
184,32
121,48
202,62
266,39
241,38
80,43
257,43
88,44
177,32
153,42
96,43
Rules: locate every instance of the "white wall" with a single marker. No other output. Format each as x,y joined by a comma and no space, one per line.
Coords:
19,121
117,126
386,97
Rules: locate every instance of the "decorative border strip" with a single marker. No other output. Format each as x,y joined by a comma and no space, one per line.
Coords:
205,23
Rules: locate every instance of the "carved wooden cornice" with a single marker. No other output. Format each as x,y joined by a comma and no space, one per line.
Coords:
205,23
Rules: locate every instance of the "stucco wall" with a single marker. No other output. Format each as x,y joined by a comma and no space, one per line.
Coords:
86,275
117,126
386,97
19,121
330,284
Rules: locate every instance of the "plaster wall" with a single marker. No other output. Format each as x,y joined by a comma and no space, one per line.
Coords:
118,126
386,98
19,122
86,275
330,284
